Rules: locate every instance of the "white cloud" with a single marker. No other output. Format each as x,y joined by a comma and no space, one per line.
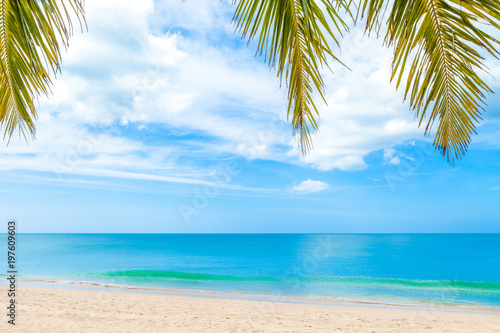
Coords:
389,153
364,112
172,67
390,158
309,186
395,160
120,73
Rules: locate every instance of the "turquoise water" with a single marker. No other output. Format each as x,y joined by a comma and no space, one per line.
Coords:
399,268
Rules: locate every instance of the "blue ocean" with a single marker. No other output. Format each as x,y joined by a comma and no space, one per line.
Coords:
390,268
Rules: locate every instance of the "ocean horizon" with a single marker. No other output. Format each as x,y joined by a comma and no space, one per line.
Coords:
456,269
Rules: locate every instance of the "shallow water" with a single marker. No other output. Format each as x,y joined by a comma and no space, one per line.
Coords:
400,268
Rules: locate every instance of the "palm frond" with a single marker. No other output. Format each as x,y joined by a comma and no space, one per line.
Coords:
31,34
441,46
291,34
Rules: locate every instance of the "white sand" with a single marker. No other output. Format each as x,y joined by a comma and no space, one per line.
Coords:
71,310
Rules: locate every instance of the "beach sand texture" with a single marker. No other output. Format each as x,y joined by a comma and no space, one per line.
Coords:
72,310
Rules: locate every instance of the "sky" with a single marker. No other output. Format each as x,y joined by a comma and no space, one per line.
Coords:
164,120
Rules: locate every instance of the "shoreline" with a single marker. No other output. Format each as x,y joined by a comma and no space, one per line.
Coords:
44,309
416,305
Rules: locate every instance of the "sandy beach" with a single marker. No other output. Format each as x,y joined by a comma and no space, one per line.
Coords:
75,310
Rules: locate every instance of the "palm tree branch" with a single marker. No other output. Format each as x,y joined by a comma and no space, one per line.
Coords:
444,45
31,33
293,36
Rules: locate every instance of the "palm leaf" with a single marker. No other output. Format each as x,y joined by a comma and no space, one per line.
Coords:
31,34
441,46
291,34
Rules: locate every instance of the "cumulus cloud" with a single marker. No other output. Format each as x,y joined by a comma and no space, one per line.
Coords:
122,75
310,186
364,112
171,88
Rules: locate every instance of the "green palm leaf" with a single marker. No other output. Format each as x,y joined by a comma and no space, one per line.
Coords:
291,33
31,33
441,46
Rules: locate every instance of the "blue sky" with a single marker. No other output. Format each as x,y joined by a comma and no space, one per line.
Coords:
163,120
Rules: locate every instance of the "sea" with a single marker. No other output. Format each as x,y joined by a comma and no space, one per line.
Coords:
451,269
